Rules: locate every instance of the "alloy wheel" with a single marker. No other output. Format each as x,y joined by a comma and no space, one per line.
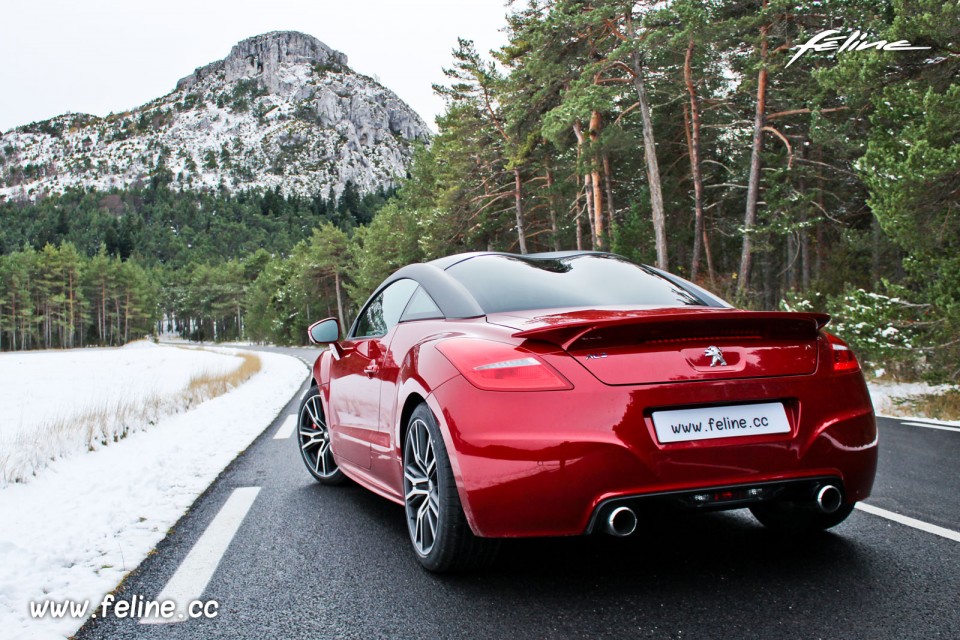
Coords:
420,488
314,439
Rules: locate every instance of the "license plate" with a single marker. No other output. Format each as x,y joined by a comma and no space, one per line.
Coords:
685,425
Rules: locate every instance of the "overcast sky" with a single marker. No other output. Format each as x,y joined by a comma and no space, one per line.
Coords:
102,56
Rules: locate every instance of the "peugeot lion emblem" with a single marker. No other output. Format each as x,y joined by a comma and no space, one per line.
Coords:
716,355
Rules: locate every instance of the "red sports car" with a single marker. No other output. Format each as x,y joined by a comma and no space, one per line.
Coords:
498,395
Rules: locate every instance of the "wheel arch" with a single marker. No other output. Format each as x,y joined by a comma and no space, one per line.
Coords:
412,401
414,397
424,369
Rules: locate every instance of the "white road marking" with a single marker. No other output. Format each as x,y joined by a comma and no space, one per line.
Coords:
941,423
189,581
910,522
286,429
940,427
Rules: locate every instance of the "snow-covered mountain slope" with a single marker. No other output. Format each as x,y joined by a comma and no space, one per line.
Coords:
282,110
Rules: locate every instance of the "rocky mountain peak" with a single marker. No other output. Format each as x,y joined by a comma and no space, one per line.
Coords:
281,111
261,57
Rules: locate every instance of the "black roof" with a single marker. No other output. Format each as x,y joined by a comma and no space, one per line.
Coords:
455,301
450,295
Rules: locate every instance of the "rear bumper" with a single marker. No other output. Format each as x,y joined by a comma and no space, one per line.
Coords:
545,463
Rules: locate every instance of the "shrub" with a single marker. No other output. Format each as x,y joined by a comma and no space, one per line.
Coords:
876,326
883,330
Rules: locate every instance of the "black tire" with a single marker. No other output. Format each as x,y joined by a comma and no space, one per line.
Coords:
441,538
313,438
797,517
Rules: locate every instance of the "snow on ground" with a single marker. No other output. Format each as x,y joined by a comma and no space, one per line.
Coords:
83,523
41,386
47,397
885,395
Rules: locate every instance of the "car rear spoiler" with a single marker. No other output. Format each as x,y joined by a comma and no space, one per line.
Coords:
565,331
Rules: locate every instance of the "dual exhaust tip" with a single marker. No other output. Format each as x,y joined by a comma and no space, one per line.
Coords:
622,521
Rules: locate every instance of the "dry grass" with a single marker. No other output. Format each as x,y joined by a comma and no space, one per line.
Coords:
208,385
939,406
98,427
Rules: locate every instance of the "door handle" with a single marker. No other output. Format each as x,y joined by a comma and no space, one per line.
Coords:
371,369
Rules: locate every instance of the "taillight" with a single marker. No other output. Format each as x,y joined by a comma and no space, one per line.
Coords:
495,366
843,358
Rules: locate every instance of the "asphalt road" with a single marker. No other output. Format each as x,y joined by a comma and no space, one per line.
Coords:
310,561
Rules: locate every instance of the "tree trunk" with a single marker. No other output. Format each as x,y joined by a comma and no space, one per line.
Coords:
653,168
552,208
70,322
521,236
608,189
336,287
804,236
576,217
596,183
579,230
792,252
115,330
709,255
753,185
591,211
804,260
103,312
818,253
693,141
588,186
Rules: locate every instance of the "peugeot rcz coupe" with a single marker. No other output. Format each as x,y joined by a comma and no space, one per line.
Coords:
497,395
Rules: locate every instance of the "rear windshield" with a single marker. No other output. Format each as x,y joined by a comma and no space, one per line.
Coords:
508,283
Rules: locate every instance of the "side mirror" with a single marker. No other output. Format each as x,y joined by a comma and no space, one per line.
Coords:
324,332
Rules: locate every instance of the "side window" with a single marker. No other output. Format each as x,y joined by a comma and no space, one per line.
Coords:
383,312
421,307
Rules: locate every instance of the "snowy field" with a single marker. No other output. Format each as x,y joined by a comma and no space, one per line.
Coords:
39,387
77,528
55,403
